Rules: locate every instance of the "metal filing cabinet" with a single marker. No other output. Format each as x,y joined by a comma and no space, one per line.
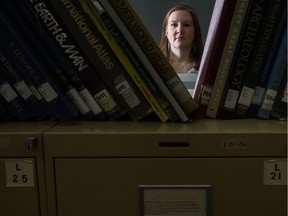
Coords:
22,180
103,168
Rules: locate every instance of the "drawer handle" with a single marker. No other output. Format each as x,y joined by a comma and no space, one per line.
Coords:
173,144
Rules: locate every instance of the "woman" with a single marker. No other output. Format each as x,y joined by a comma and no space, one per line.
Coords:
181,40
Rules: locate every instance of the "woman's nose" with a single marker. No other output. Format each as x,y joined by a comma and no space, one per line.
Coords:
179,29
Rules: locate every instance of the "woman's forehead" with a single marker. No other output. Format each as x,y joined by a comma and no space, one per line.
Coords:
180,15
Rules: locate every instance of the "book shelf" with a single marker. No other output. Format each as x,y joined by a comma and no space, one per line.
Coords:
84,168
95,168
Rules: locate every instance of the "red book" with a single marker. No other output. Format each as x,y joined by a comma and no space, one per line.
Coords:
215,41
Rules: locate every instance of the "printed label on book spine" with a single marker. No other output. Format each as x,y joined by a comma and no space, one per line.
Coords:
231,99
35,92
23,89
269,99
77,100
205,94
90,101
104,99
246,96
7,92
178,87
258,95
128,94
47,92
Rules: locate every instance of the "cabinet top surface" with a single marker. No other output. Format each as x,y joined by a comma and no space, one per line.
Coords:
126,127
197,126
25,127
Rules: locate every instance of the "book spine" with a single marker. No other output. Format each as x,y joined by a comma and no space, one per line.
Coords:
242,58
14,103
268,64
94,14
132,21
229,50
143,72
279,109
37,43
15,78
16,44
74,54
87,104
160,82
18,60
102,57
254,71
215,41
278,71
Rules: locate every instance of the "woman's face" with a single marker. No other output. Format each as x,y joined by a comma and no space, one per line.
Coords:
180,29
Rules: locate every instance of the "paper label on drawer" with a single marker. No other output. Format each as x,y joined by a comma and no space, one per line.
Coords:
19,173
275,172
174,200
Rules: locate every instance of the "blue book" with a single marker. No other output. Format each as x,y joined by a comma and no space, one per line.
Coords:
278,71
14,42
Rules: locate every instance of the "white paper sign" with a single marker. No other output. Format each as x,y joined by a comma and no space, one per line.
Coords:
275,172
19,173
174,201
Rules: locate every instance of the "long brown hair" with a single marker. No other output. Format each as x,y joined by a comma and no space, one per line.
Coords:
197,49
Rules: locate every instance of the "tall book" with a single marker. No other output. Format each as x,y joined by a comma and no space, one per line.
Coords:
94,11
221,73
39,49
87,105
135,61
138,64
278,71
274,21
102,57
221,18
279,109
38,43
140,39
74,54
14,43
268,64
242,58
11,72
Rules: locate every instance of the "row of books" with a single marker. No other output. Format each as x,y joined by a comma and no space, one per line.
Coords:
243,72
87,59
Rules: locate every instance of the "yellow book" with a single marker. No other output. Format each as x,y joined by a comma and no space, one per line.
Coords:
94,14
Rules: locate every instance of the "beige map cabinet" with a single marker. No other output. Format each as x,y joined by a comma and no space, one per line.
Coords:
96,168
22,179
